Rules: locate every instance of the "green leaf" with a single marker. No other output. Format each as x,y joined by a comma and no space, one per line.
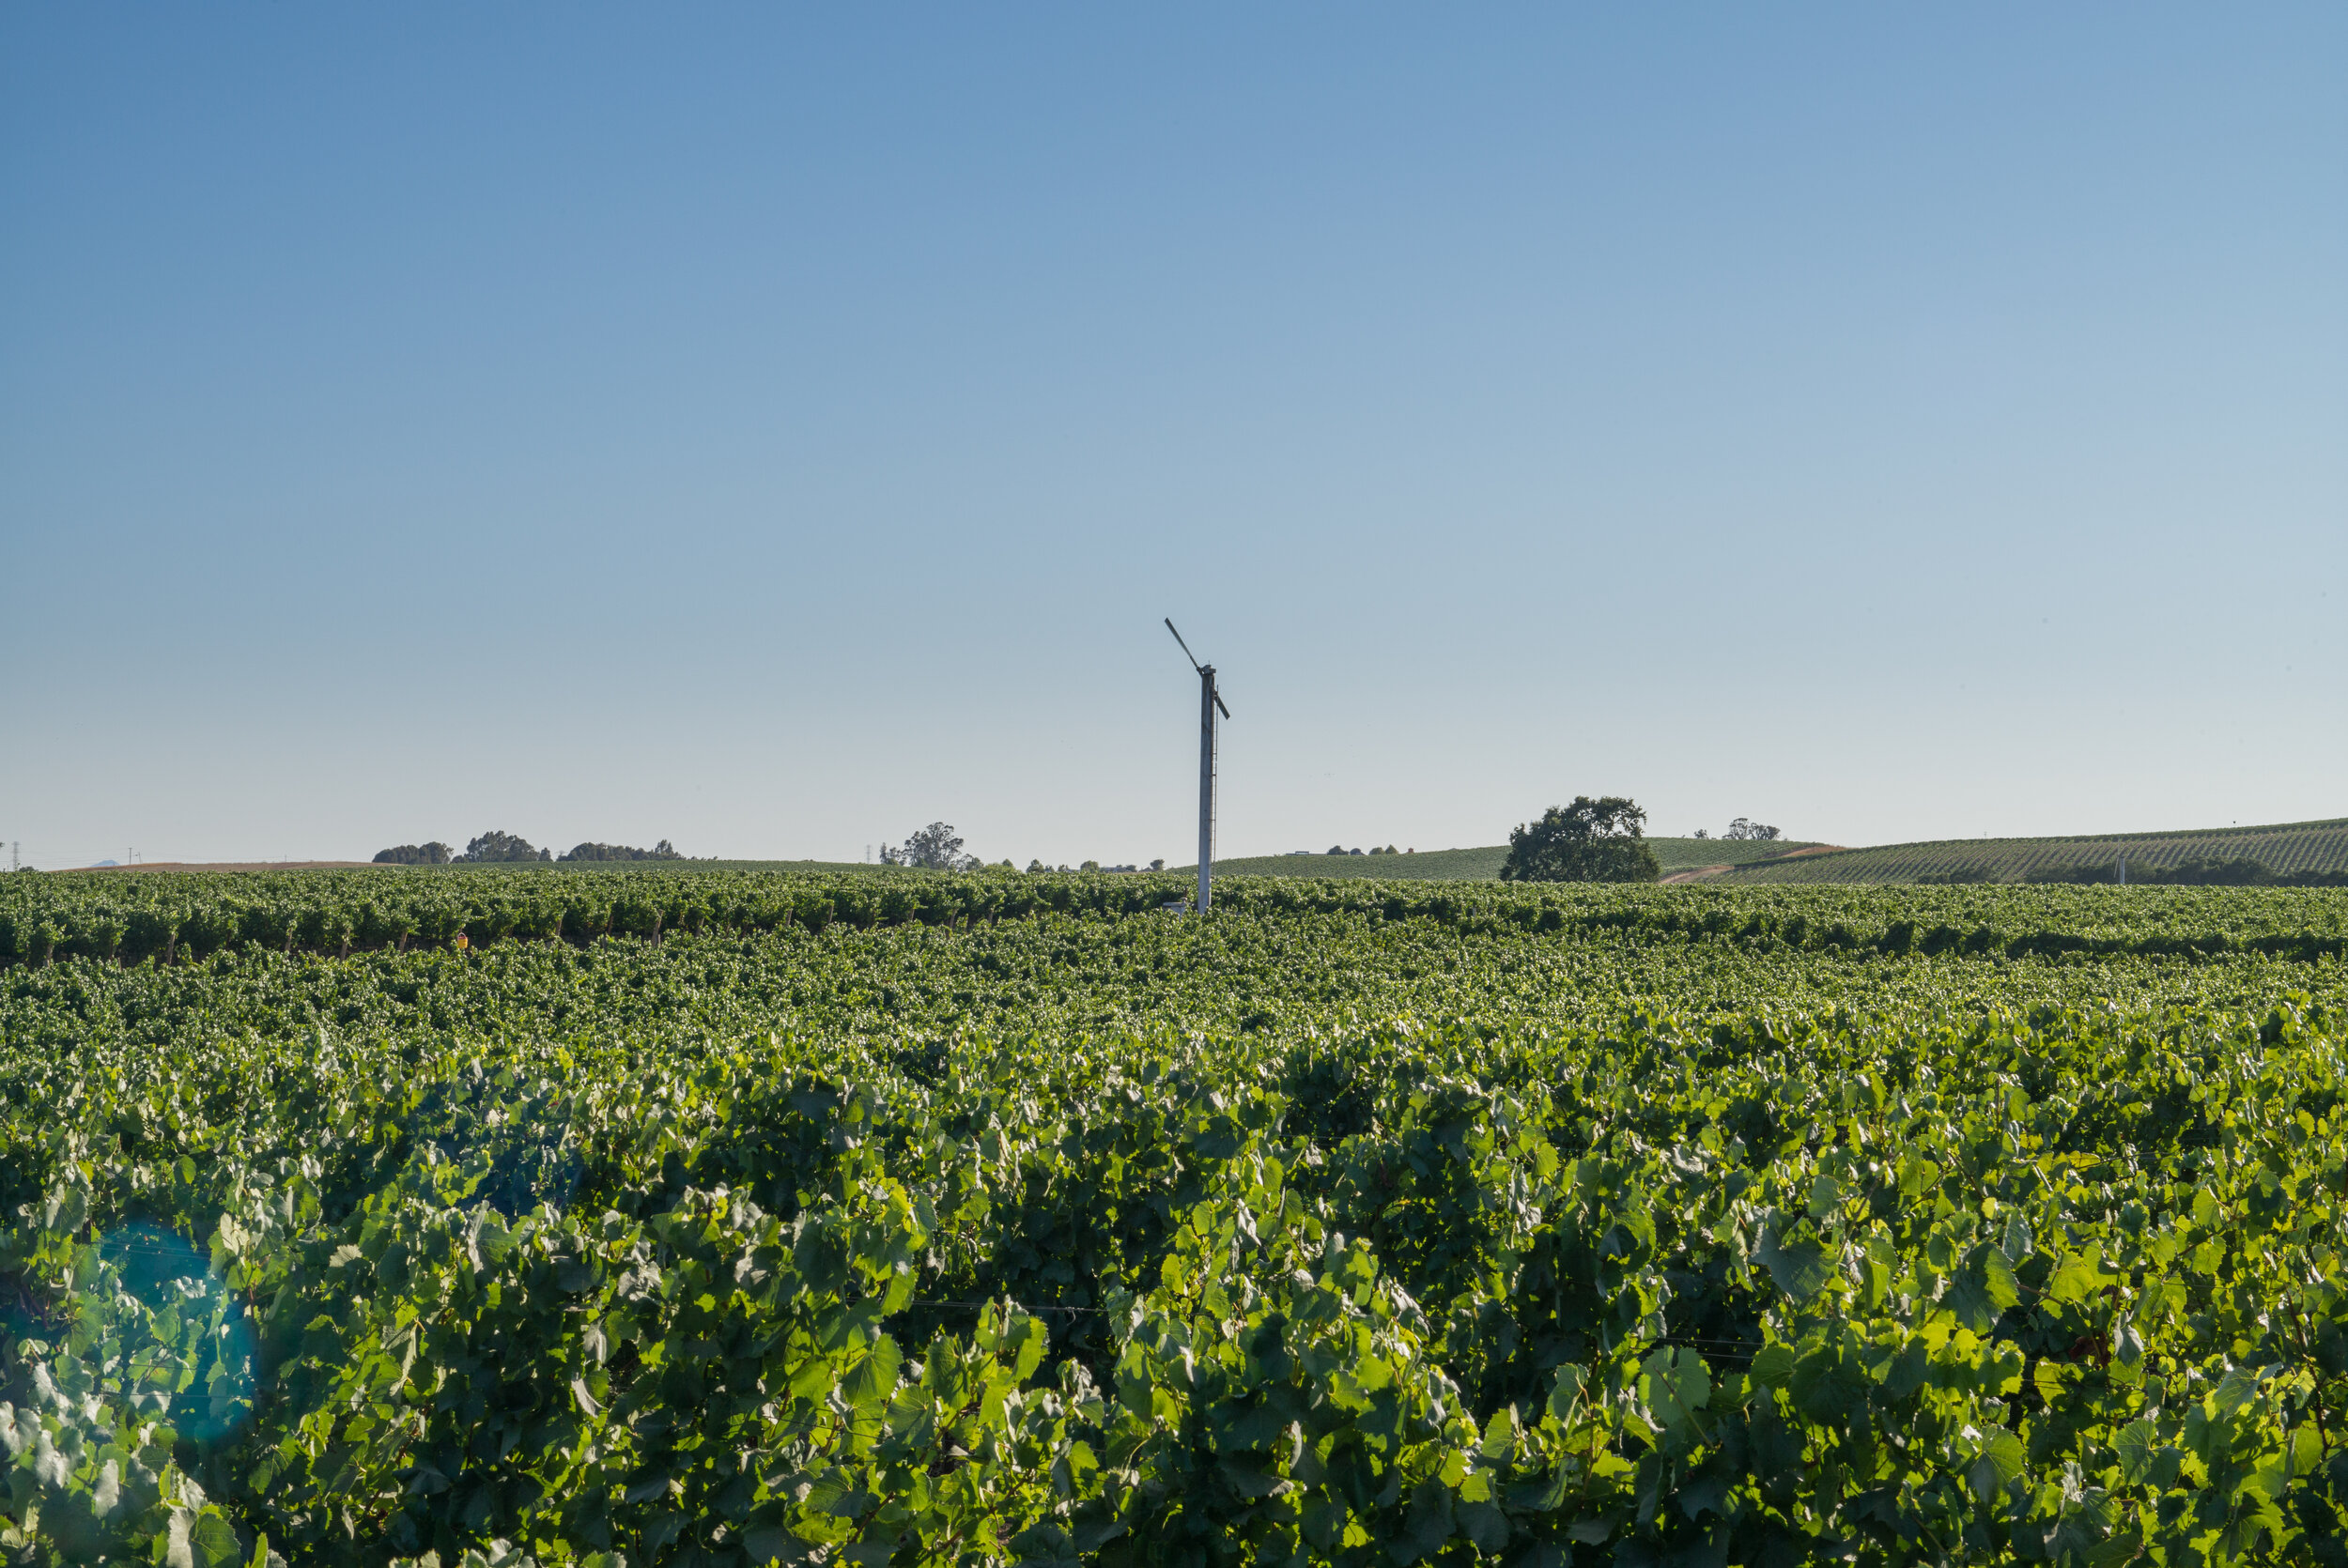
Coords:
1031,1343
2084,1525
1800,1264
1825,1193
1427,1525
1484,1524
1983,1289
1675,1384
1500,1434
2115,1550
213,1544
2082,1277
2238,1388
875,1378
2133,1448
1566,1393
1773,1366
774,1543
2000,1461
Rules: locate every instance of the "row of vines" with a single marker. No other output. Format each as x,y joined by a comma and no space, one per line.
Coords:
161,917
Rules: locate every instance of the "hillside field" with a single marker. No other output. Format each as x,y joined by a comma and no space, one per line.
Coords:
2286,848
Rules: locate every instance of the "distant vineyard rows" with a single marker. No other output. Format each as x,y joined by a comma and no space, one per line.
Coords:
2296,848
170,917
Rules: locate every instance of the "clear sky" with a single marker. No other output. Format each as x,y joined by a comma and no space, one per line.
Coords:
773,428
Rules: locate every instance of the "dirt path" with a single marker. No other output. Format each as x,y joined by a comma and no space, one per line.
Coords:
1705,873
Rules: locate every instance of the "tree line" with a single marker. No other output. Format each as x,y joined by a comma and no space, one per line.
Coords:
498,848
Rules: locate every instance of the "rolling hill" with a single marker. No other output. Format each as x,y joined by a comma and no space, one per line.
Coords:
2286,848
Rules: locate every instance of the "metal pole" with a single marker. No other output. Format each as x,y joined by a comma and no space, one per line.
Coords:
1206,786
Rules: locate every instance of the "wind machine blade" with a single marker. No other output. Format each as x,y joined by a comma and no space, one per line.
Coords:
1185,647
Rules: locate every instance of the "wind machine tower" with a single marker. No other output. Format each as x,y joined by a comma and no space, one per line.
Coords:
1210,704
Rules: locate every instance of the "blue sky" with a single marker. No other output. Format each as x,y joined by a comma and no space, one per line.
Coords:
773,429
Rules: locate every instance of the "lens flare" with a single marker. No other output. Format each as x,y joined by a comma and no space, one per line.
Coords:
186,1339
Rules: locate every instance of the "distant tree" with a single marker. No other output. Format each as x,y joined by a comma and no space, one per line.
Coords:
662,851
1702,834
1337,849
1158,865
1591,840
433,854
1089,866
1036,868
935,848
495,848
1743,829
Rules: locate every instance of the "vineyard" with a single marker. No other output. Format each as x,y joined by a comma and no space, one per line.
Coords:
2292,848
729,1217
